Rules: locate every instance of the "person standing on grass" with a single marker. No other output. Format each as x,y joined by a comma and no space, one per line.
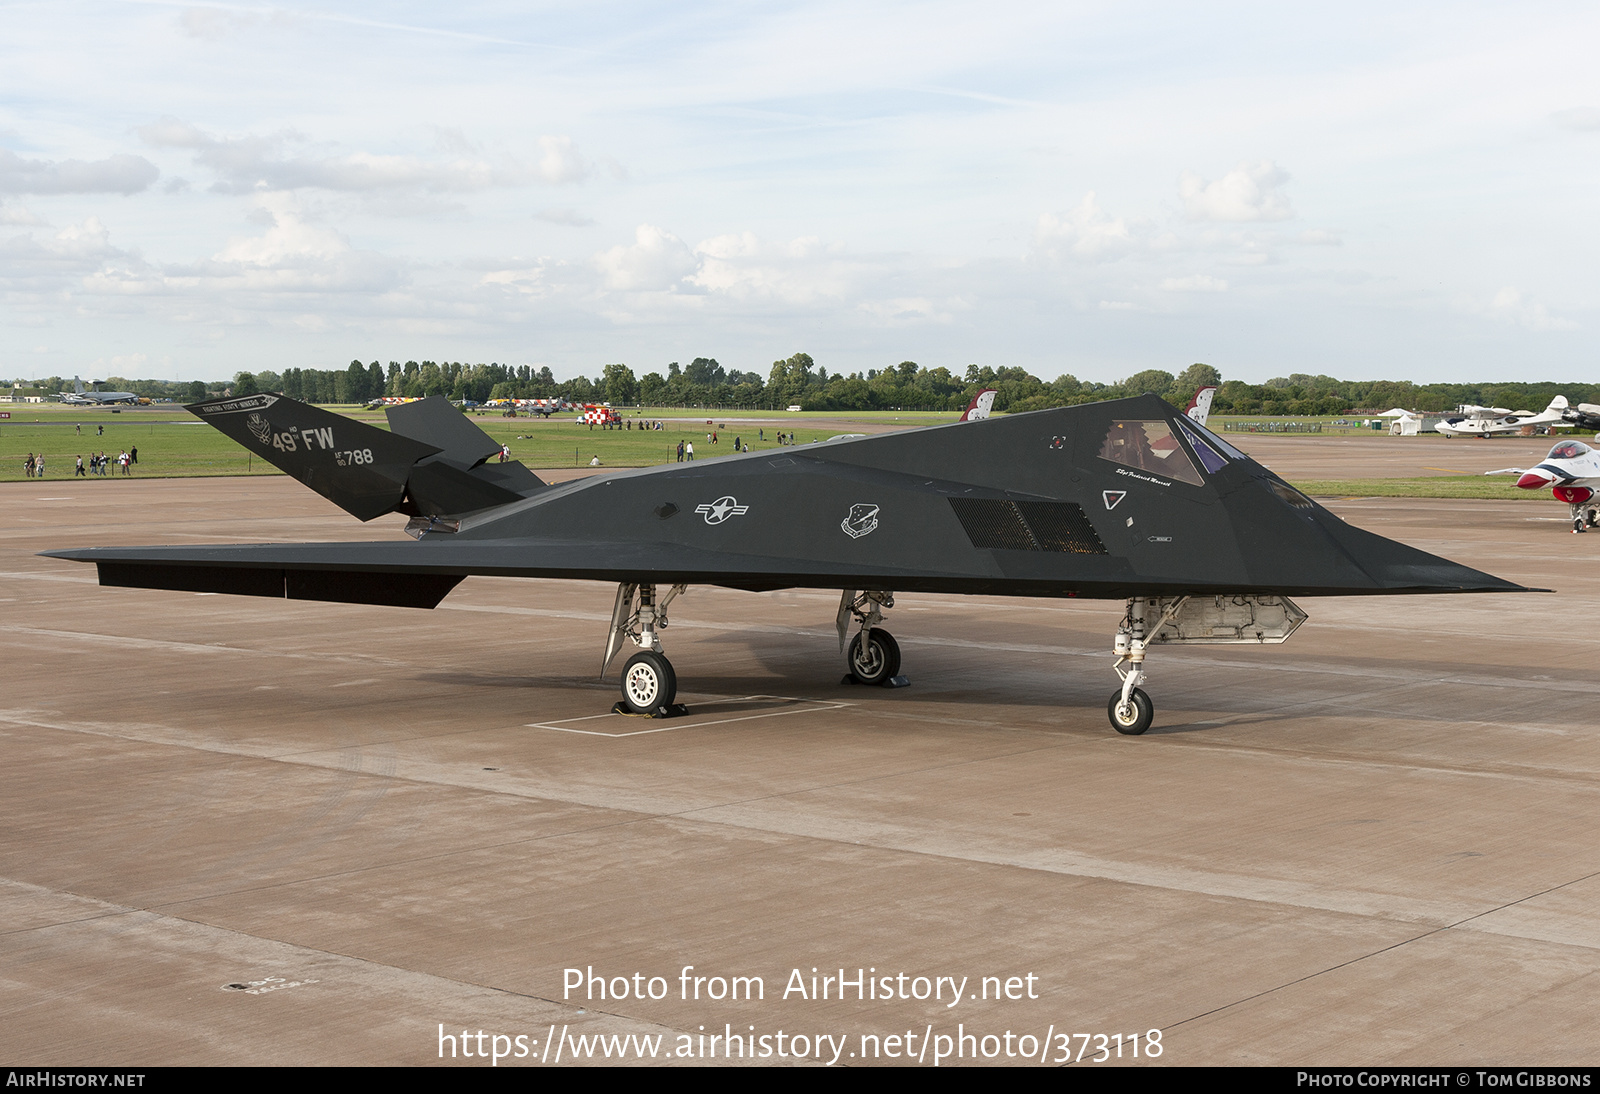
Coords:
79,474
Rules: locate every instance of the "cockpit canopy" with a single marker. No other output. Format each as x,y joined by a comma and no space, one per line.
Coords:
1568,450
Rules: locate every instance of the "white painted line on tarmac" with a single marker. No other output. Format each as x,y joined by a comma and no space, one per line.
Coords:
690,721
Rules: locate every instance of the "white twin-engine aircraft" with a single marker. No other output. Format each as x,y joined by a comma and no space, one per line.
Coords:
1572,472
1490,421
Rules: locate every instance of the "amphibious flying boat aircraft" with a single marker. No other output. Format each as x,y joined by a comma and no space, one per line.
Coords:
1572,472
1126,500
1491,421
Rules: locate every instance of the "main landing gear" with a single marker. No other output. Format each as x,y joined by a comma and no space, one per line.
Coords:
874,655
1584,516
649,685
1200,620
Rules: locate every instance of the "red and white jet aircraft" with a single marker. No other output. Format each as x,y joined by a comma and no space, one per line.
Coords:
1572,472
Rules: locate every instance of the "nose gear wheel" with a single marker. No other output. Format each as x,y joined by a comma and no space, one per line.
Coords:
648,683
875,660
1133,718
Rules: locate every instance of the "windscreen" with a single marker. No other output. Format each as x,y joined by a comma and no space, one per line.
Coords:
1149,446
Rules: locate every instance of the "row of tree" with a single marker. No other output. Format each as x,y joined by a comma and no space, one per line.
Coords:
798,380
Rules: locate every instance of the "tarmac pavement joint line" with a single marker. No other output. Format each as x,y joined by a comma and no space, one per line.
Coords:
1462,924
222,942
201,647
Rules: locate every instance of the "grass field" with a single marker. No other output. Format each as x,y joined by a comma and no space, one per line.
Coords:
172,444
1501,488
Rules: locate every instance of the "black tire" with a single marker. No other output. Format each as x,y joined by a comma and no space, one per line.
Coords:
1591,517
648,683
878,662
1143,712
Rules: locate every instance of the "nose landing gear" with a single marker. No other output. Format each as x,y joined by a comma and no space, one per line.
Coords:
1251,619
874,655
649,684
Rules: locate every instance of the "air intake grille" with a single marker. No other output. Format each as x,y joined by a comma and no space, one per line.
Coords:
996,524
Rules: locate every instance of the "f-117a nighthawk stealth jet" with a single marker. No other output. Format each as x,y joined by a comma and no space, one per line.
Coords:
1126,500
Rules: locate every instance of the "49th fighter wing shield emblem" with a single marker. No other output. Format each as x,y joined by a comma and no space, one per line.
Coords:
260,428
863,519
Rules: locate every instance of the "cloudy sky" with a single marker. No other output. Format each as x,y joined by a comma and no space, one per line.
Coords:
1375,190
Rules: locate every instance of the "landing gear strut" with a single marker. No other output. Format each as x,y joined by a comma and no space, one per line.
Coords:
1584,516
1130,709
874,655
1244,619
649,684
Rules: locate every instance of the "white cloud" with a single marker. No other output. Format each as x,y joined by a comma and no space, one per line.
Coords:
1116,305
800,272
268,272
1251,191
571,218
289,239
17,214
214,24
656,261
901,310
88,238
1195,283
244,164
559,161
122,364
1086,232
1508,306
52,265
1579,117
121,174
528,278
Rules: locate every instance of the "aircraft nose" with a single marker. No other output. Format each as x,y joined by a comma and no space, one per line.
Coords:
1535,480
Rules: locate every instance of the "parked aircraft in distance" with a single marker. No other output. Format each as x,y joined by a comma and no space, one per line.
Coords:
1492,421
1126,500
1572,472
1583,416
542,407
80,397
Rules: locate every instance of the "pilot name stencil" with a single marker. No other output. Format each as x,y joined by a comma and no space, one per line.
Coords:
720,510
1145,478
